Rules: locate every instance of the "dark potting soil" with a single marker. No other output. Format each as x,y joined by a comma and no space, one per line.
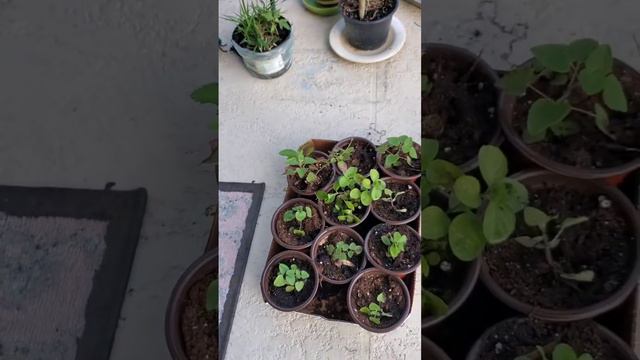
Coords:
378,250
364,156
376,9
327,209
310,226
323,170
460,110
294,298
518,337
602,244
404,169
239,39
447,283
199,326
409,201
590,148
367,289
338,270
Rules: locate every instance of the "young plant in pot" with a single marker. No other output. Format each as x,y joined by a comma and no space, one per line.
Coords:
289,281
572,109
338,254
399,203
399,158
263,38
296,223
307,170
353,152
459,103
367,22
350,197
378,301
393,248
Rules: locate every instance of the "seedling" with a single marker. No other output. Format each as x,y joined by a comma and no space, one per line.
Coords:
212,296
208,94
353,191
299,162
560,352
399,150
391,197
260,24
291,277
342,252
396,243
341,156
299,214
374,310
581,69
427,85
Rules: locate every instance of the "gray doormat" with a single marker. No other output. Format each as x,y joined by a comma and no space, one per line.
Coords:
66,257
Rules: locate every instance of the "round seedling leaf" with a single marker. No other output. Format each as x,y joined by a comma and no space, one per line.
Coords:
465,237
554,57
580,49
600,59
299,285
282,268
493,164
435,223
279,281
381,298
374,175
301,215
535,217
544,113
564,352
354,194
442,172
592,81
433,304
304,275
602,119
517,81
365,198
613,94
499,223
467,190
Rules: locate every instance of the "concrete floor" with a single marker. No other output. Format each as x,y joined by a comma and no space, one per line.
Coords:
98,91
321,96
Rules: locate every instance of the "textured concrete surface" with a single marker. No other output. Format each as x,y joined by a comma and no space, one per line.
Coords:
321,96
98,91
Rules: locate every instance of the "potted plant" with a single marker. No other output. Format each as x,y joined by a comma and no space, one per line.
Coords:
289,281
338,254
393,248
308,170
527,339
459,103
367,22
263,38
571,110
296,223
354,151
378,301
399,203
399,158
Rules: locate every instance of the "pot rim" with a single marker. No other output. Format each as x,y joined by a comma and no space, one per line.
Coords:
339,144
325,233
433,349
286,205
324,188
264,280
353,312
392,174
374,22
398,222
631,215
379,266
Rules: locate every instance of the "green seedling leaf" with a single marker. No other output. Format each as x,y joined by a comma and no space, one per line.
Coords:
207,94
442,173
288,153
583,276
592,81
433,258
600,59
545,113
554,57
433,304
425,267
585,357
289,216
499,223
493,164
364,310
365,198
435,223
517,81
602,119
528,241
289,288
381,298
467,190
355,194
374,175
212,296
282,269
565,128
564,352
300,215
465,237
573,221
531,139
374,307
304,274
299,285
613,94
580,49
536,217
279,281
429,150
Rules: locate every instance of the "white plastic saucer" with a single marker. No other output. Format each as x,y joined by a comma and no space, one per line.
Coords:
342,48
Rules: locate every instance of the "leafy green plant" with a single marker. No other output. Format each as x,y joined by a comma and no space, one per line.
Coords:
395,242
299,214
374,310
343,251
391,197
291,277
341,156
581,69
398,150
299,162
211,303
560,351
353,191
259,23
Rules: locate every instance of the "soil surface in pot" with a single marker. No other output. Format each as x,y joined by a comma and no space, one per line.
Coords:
602,244
327,209
283,34
311,227
378,250
363,157
365,292
460,110
376,9
446,279
323,170
590,148
408,201
520,337
294,298
339,269
404,169
199,326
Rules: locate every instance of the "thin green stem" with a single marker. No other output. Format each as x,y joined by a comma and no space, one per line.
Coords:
583,111
540,92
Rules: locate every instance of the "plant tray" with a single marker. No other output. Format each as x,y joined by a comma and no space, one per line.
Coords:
331,300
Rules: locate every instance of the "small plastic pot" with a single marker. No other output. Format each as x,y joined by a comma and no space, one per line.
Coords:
391,173
283,208
398,222
267,65
368,243
203,266
368,35
288,255
431,351
329,220
622,349
345,142
316,155
322,238
355,312
533,179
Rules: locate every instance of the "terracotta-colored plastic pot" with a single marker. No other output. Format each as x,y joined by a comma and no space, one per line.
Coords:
203,266
329,220
431,351
283,208
608,337
345,142
398,222
457,54
367,245
507,104
355,312
288,255
539,178
316,155
322,238
391,173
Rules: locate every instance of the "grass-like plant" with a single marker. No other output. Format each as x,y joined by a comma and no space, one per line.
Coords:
260,23
374,310
560,351
399,150
396,243
290,277
298,214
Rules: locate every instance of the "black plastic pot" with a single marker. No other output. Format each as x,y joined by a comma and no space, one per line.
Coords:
368,35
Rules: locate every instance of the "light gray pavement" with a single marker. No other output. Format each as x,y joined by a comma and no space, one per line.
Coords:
98,91
321,96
